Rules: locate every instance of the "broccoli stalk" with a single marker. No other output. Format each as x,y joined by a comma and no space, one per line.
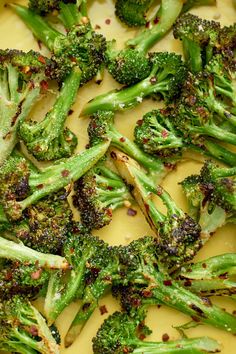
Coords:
199,39
105,270
166,78
212,276
98,194
121,333
48,140
102,127
22,186
22,76
195,3
80,47
19,252
178,235
23,329
140,269
130,64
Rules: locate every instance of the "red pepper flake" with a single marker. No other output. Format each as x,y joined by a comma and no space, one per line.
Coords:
159,191
113,155
145,140
147,293
97,27
107,21
142,336
140,122
65,173
167,282
122,140
156,20
41,59
164,134
195,319
204,265
103,309
40,186
70,112
44,85
73,59
165,337
36,275
131,212
234,312
147,24
33,330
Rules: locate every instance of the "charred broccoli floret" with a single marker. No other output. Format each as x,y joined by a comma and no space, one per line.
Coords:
131,64
141,269
22,78
23,329
80,47
102,127
121,333
188,4
42,6
22,186
165,80
98,194
199,39
19,278
48,139
178,235
104,270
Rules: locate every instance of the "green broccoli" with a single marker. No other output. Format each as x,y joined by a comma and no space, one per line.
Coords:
165,80
102,127
121,333
23,329
22,186
178,235
80,47
199,39
22,78
131,65
98,194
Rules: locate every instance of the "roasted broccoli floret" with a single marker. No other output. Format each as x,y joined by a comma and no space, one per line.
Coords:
80,47
104,270
22,186
212,276
102,127
199,39
131,64
178,235
140,268
23,76
42,6
121,333
44,226
165,80
48,139
98,194
18,252
23,329
19,278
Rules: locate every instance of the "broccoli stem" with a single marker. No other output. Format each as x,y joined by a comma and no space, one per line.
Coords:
161,23
191,3
215,132
62,173
19,252
73,14
19,348
129,97
39,26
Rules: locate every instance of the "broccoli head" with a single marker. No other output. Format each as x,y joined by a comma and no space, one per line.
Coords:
132,12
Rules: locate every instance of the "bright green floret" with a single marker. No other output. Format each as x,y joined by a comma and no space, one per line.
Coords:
120,333
132,12
23,329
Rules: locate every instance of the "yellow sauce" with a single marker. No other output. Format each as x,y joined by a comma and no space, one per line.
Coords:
124,228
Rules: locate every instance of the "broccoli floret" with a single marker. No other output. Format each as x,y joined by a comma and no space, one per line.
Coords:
81,47
23,328
22,78
18,252
227,40
141,269
178,235
199,39
22,186
165,80
131,65
102,127
104,270
212,276
156,135
121,333
48,139
42,6
18,278
44,226
98,194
